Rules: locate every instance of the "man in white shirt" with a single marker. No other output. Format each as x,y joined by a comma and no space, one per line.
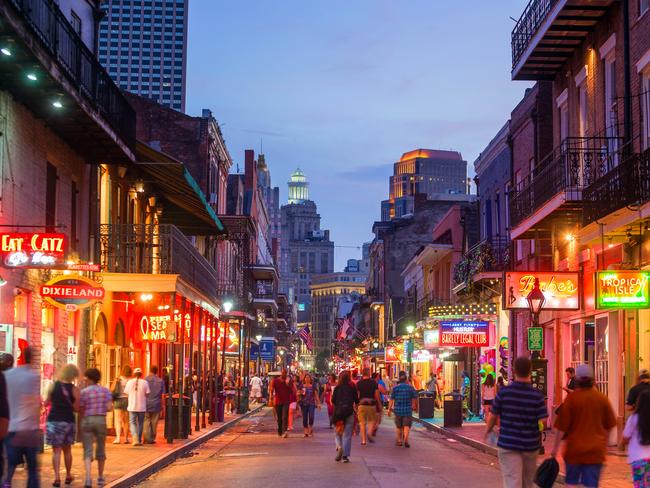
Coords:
256,389
137,390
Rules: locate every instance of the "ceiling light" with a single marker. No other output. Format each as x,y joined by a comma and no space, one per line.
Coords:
57,104
5,51
32,76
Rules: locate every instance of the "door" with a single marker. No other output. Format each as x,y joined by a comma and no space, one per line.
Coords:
589,351
602,354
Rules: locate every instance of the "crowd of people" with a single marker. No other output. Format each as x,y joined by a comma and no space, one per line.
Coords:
136,401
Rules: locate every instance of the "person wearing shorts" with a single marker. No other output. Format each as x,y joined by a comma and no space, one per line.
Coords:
402,401
369,399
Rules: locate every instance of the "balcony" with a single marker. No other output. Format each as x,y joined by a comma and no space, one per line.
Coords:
548,32
91,114
265,287
628,184
155,249
424,303
557,183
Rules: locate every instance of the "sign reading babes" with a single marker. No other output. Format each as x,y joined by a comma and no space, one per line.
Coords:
561,289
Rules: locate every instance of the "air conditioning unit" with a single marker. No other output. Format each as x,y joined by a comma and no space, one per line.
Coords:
213,199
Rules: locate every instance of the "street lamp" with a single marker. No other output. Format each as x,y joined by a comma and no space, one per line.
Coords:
536,300
227,306
258,338
409,353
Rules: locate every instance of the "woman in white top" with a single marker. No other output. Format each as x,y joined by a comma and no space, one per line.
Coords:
637,433
488,392
120,401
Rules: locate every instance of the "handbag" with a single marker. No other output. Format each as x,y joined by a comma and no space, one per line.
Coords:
547,473
119,402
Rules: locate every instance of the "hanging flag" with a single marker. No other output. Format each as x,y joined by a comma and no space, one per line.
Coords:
306,337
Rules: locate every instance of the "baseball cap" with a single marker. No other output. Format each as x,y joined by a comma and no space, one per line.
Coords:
584,371
644,374
137,370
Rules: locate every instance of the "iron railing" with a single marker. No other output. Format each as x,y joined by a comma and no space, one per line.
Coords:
79,64
424,302
528,25
155,249
626,184
570,168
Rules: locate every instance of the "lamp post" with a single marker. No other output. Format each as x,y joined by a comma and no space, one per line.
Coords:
409,353
536,300
258,338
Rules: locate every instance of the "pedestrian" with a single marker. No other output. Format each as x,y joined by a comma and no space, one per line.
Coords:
327,397
488,393
500,383
229,390
637,434
293,400
519,408
643,384
120,404
5,364
94,401
416,381
137,390
63,401
345,400
279,395
154,405
584,422
368,400
256,389
24,438
465,390
380,406
403,401
570,380
309,401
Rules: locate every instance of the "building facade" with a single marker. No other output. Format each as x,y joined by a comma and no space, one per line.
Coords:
143,45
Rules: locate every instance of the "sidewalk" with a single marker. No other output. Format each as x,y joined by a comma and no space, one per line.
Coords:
616,473
126,464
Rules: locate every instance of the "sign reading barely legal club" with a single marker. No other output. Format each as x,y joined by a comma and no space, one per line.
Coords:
464,333
561,289
622,289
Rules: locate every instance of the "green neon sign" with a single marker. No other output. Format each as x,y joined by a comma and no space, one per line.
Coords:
622,289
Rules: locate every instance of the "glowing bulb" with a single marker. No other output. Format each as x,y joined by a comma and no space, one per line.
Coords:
57,104
6,51
32,76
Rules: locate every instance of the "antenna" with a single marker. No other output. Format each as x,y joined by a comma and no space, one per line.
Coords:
261,145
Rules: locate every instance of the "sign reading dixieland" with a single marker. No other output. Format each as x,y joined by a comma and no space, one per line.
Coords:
32,250
464,333
72,292
622,289
561,289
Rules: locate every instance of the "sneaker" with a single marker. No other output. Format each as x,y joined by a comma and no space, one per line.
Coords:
101,481
346,459
339,454
406,444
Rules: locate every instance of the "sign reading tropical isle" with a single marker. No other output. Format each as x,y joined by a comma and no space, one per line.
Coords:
623,289
72,292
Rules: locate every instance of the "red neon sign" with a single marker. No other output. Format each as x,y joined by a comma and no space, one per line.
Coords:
35,250
461,333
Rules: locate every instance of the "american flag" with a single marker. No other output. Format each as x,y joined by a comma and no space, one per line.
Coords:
306,337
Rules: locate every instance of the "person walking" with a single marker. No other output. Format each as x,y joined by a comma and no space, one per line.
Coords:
643,384
403,401
279,395
584,422
94,401
229,390
154,405
5,364
120,404
345,400
570,380
518,408
637,435
137,390
309,401
256,389
382,400
327,397
63,401
23,440
293,400
488,393
368,400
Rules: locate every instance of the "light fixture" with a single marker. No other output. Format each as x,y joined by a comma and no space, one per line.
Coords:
258,337
32,76
139,185
281,352
3,282
410,329
536,298
227,306
146,297
6,51
57,104
375,344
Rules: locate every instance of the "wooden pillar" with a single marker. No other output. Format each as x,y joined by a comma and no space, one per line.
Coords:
559,370
197,327
204,368
181,372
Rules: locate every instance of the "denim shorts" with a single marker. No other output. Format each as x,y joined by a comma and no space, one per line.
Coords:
586,474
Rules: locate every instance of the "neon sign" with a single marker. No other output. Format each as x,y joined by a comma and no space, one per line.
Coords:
464,333
561,289
623,289
37,250
72,292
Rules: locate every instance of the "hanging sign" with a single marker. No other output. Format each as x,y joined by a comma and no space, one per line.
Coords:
72,292
623,289
393,354
467,333
32,250
561,289
421,356
535,338
232,338
431,338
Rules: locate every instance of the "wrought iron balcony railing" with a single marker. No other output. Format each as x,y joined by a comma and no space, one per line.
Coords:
570,168
528,25
79,64
626,184
155,249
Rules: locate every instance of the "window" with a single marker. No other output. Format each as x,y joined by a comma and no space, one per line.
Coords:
75,21
644,5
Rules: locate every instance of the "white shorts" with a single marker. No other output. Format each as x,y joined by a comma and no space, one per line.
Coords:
256,393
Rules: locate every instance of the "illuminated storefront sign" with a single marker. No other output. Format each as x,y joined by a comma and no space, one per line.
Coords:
623,289
159,328
467,333
421,356
561,289
35,250
232,338
431,338
72,292
393,354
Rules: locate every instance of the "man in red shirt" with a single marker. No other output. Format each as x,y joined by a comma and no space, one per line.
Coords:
279,394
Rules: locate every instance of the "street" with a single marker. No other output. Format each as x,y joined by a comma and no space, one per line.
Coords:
251,454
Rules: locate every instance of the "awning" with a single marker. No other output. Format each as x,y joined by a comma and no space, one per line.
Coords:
185,204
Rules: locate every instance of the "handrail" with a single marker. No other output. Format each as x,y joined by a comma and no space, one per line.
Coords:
527,26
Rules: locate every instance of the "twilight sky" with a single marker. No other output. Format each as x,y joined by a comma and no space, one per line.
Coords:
341,88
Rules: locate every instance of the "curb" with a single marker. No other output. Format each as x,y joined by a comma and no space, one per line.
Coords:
144,472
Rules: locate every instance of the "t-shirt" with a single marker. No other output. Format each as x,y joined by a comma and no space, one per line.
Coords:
137,390
635,451
635,391
156,390
520,407
256,383
4,405
367,388
587,417
280,390
488,392
571,385
402,396
23,395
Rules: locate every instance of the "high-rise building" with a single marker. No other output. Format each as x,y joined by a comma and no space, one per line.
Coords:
271,197
143,46
305,248
432,172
